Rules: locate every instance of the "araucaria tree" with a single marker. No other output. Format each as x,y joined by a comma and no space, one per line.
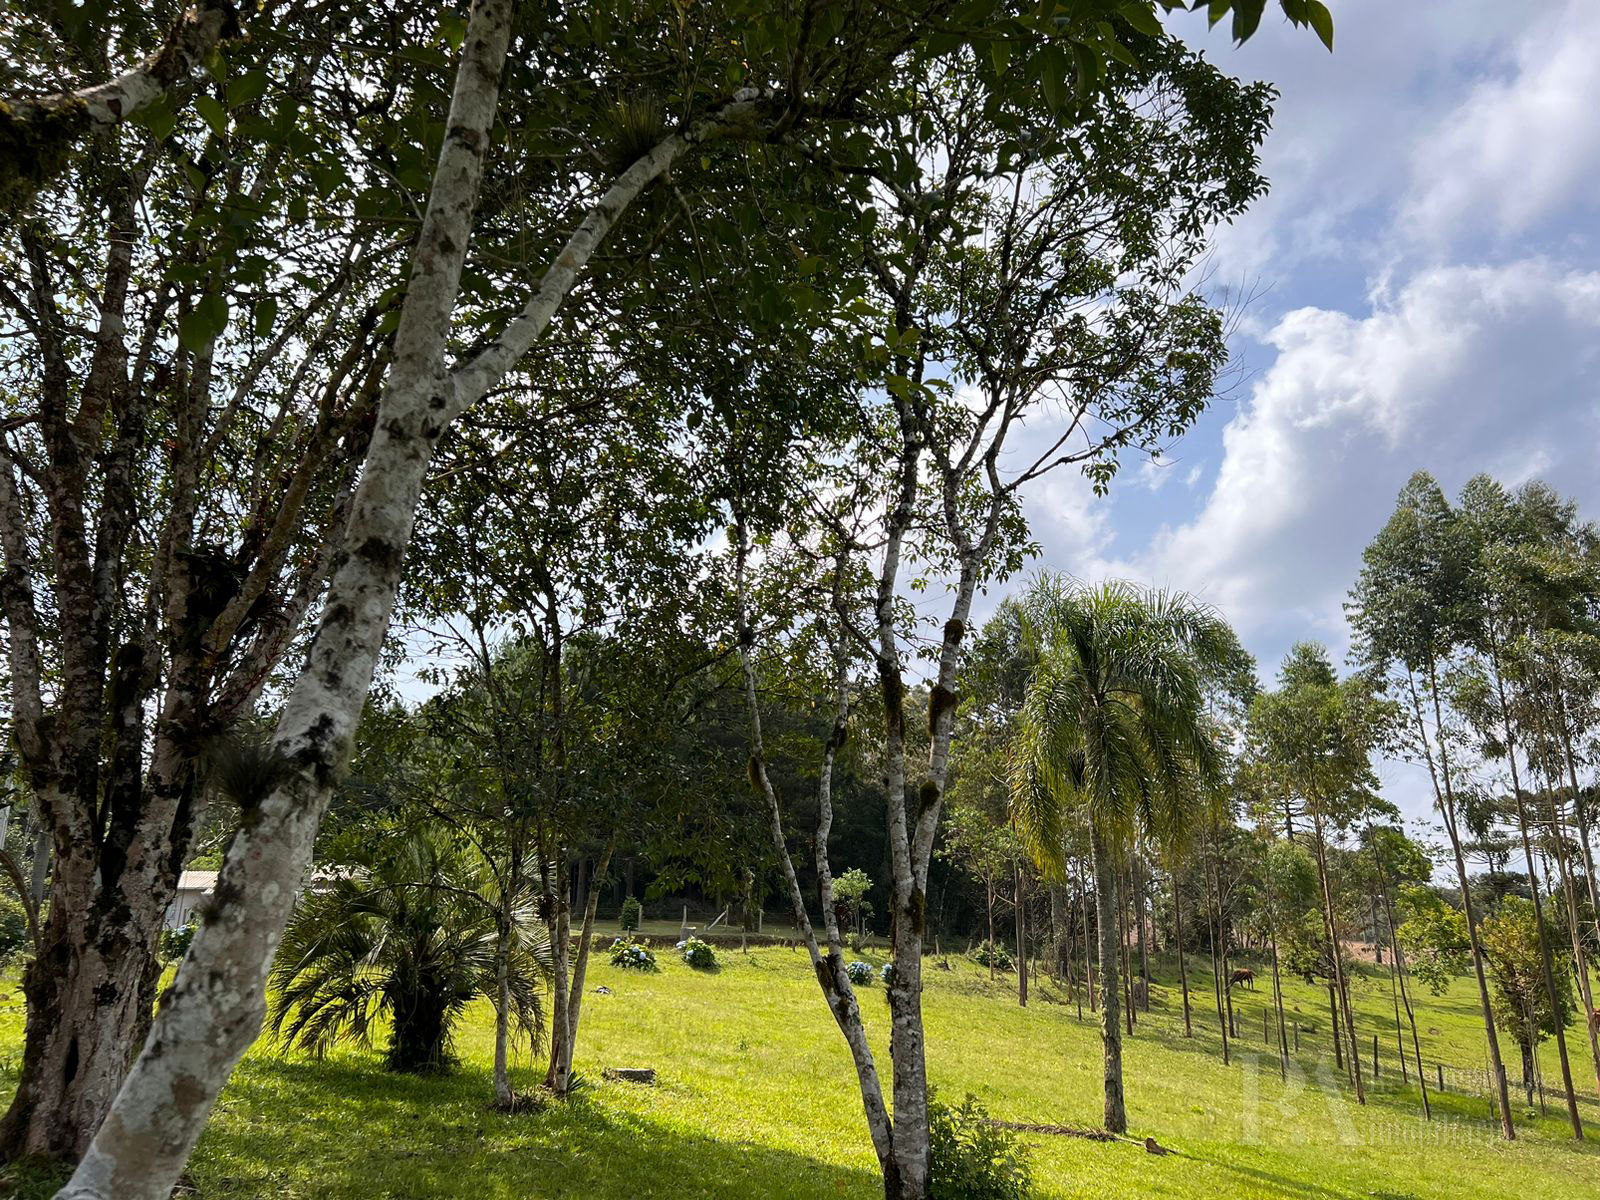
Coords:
1114,732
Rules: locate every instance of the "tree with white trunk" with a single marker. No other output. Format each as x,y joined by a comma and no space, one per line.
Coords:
800,88
215,1006
1026,274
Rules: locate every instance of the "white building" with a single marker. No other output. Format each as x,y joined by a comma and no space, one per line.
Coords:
193,889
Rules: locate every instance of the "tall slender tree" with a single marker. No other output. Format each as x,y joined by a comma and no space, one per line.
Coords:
1407,609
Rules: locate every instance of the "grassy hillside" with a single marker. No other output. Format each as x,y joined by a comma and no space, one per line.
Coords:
756,1098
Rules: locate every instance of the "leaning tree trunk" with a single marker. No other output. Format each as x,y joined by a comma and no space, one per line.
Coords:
1106,908
580,965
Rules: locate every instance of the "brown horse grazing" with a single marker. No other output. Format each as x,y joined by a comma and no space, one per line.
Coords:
1243,975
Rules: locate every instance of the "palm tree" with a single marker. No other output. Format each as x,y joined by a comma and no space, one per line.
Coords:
410,935
1114,732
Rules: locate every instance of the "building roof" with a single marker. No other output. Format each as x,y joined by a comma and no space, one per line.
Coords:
197,881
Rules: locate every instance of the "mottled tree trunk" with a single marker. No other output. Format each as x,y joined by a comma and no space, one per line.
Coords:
215,1007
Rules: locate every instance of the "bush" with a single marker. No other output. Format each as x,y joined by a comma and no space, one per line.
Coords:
860,973
175,942
698,954
972,1158
635,956
886,973
13,927
997,956
632,911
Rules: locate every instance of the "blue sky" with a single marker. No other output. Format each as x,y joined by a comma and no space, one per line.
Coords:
1428,288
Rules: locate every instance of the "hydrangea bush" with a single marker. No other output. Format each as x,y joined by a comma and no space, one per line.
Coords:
860,973
635,956
698,954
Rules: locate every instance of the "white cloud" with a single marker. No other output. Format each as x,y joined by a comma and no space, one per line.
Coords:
1462,370
1521,145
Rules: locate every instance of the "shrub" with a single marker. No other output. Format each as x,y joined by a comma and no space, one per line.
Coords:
860,973
402,937
698,954
635,956
988,954
886,973
13,927
632,911
974,1159
175,942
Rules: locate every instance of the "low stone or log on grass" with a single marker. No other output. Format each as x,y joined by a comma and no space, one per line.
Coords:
631,1074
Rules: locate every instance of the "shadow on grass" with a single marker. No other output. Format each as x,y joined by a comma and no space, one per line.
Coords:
347,1128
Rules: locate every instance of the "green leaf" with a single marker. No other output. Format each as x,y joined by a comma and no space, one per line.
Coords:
203,324
1000,52
1321,21
247,89
1216,11
1246,17
158,119
1053,75
266,314
213,113
1142,19
453,28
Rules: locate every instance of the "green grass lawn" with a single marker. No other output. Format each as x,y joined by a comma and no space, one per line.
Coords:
756,1098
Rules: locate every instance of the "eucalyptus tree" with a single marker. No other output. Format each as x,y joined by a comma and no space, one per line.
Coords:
1408,609
1284,883
1399,862
1315,735
1497,617
1113,727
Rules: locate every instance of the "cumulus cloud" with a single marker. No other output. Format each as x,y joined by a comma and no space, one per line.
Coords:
1522,144
1463,369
